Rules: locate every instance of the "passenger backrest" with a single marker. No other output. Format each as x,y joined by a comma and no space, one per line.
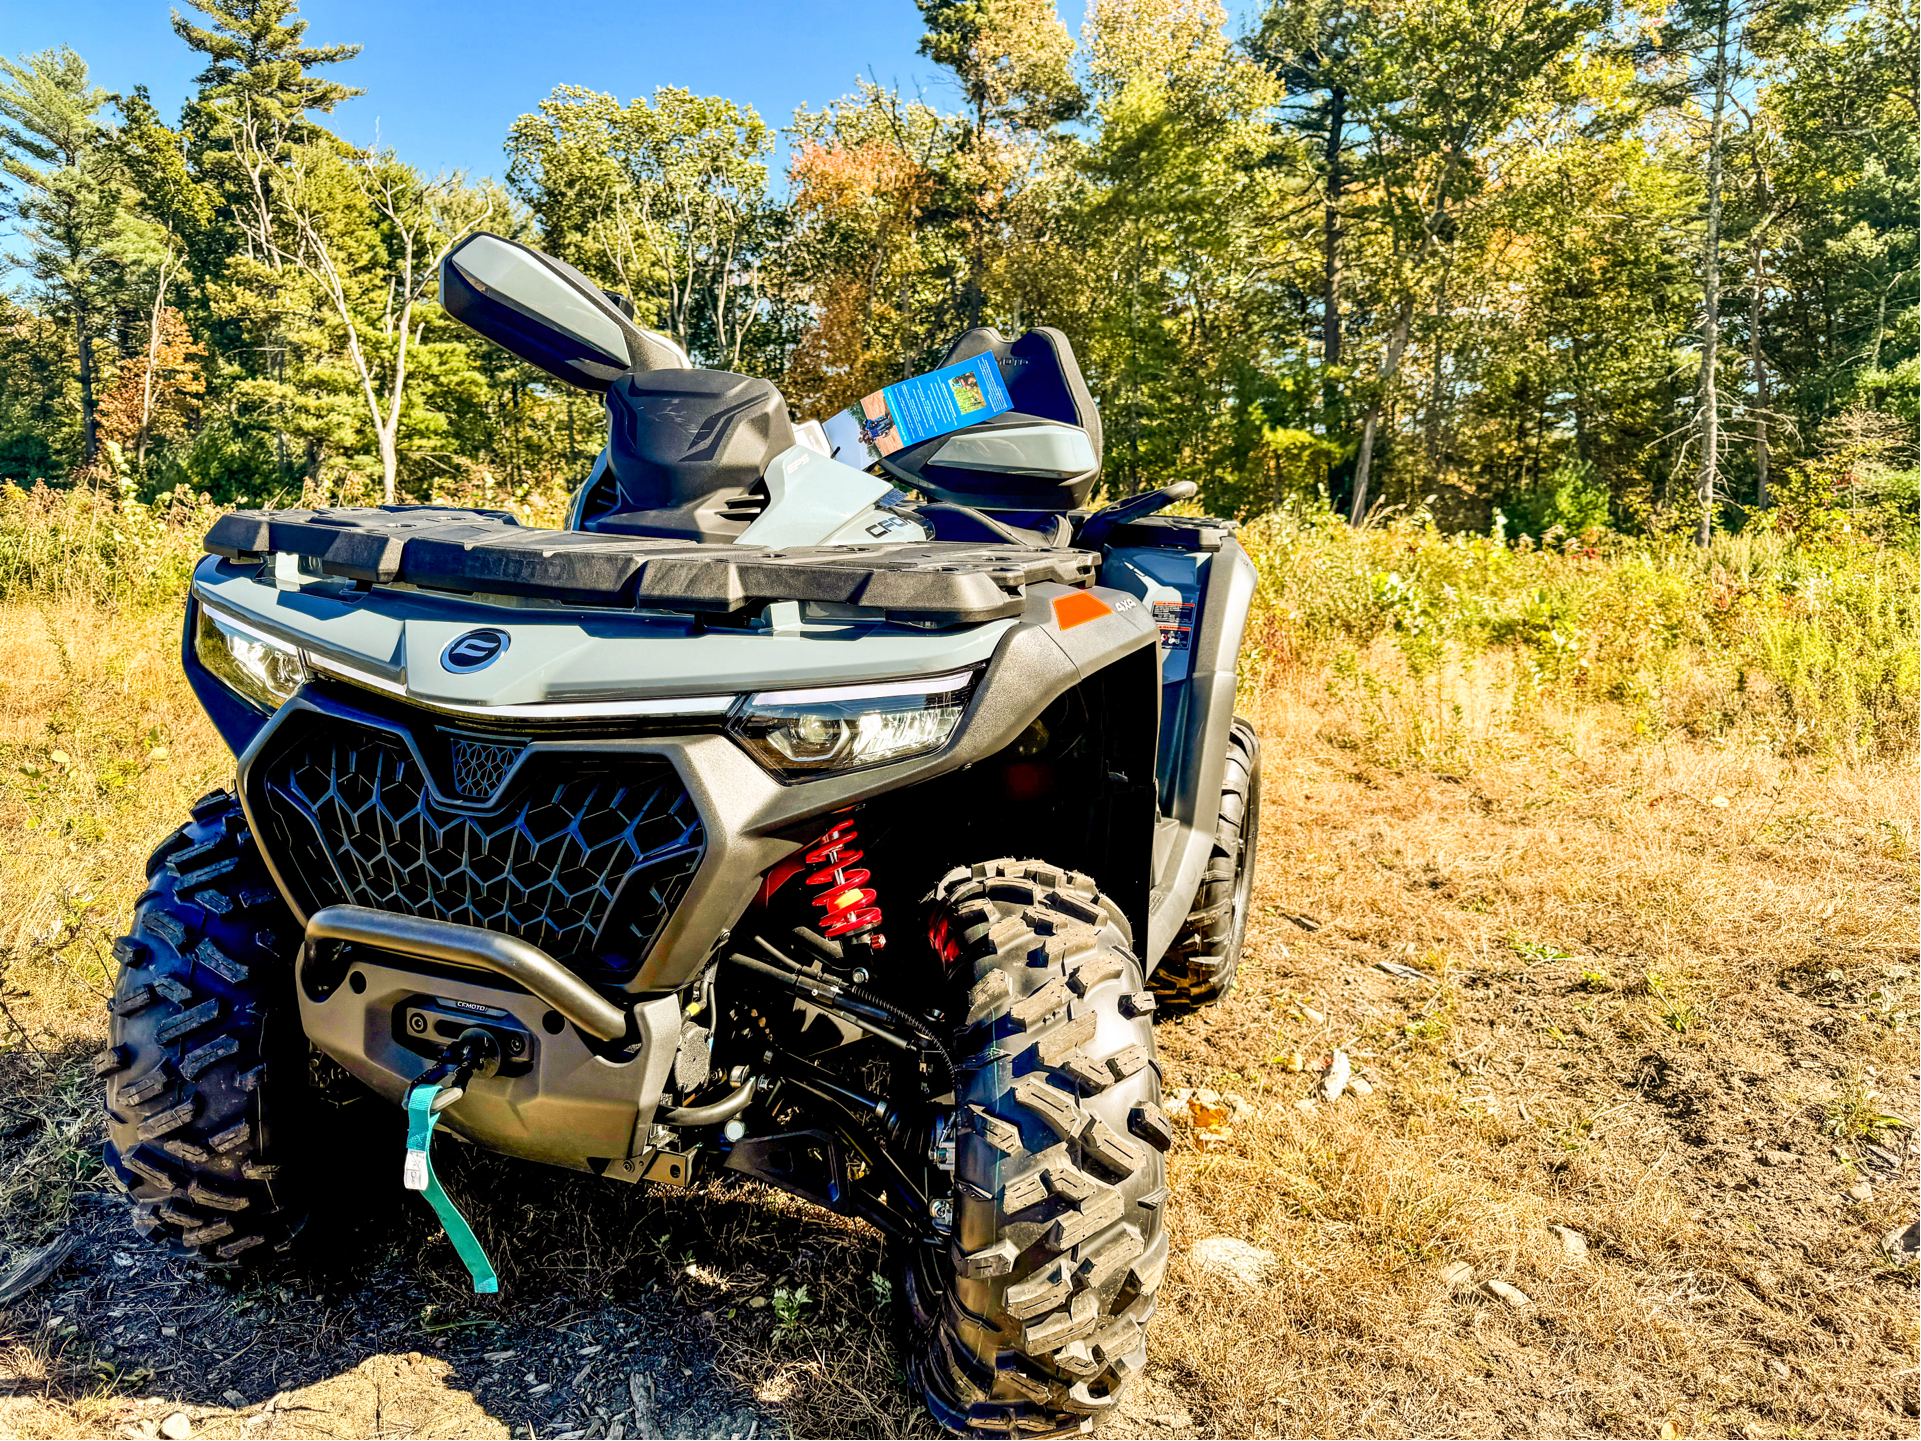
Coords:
1043,378
1044,454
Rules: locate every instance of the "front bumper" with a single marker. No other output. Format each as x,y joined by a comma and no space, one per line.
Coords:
568,1103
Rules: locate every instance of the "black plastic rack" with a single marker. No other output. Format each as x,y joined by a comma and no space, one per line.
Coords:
486,552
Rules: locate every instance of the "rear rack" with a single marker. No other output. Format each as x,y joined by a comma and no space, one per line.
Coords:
488,552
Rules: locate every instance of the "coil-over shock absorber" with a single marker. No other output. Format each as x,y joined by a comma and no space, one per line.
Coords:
849,907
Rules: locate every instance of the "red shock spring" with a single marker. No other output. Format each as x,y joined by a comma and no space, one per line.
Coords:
847,903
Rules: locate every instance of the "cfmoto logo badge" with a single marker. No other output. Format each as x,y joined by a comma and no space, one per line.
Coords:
475,650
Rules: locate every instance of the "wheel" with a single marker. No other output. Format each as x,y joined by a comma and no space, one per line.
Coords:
1032,1317
1199,966
206,1082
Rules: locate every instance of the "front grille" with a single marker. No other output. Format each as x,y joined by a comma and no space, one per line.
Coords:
582,854
481,765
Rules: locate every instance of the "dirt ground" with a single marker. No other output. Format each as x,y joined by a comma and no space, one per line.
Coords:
1662,997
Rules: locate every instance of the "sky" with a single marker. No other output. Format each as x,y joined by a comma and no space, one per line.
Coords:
445,80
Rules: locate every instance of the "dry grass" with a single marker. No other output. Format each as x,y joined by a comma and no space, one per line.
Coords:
1653,959
102,749
1652,963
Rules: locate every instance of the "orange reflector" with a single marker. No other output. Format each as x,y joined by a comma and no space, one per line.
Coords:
1078,608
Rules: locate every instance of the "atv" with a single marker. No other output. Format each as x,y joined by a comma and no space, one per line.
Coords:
836,825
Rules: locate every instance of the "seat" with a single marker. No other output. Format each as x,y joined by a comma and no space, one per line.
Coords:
1042,455
977,527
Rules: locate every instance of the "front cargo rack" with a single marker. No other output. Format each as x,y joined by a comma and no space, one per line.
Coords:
488,552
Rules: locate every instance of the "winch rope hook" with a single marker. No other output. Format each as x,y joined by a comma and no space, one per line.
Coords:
475,1053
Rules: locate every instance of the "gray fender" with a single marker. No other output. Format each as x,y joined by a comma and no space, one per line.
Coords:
1196,785
754,822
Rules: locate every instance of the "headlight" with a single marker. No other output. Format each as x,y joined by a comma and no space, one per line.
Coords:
252,665
801,733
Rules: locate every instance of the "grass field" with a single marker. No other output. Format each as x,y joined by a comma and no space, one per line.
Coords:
1644,822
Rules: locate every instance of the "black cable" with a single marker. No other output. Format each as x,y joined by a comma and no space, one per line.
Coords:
913,1023
861,996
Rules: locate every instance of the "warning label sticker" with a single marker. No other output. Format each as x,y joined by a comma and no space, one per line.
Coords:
1176,620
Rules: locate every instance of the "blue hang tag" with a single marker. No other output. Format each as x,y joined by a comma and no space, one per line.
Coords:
910,411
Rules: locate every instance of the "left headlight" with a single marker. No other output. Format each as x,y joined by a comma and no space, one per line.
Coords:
248,662
802,733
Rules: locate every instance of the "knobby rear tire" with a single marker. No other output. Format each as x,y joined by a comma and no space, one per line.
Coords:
1201,964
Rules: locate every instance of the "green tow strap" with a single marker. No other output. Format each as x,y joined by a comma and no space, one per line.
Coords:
419,1176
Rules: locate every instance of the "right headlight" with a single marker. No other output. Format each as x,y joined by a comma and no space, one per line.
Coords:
250,663
801,733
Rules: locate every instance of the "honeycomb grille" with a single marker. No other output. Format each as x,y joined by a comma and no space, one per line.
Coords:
480,766
544,862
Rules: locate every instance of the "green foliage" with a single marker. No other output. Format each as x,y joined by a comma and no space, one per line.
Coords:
231,465
255,56
67,203
664,202
1805,641
1459,247
1855,1116
1567,502
788,1305
26,457
80,544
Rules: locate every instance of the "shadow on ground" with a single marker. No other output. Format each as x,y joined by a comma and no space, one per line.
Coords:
723,1310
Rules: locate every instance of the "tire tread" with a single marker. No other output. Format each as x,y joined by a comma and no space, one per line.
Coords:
1057,1202
188,1133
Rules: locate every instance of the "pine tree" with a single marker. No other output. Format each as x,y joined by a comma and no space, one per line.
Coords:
251,111
69,201
1713,42
254,55
1310,45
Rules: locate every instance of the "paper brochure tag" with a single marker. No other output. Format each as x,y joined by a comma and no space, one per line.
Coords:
910,411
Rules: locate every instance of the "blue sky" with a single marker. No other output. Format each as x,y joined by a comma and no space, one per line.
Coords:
444,80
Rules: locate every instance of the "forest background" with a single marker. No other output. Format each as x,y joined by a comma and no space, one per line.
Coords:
1527,264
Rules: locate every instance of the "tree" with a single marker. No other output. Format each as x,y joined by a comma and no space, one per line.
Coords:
1568,306
1310,46
68,201
666,201
157,397
1012,60
372,296
256,99
1844,97
1758,212
255,55
1711,45
1441,87
1417,247
1186,218
253,103
37,410
1711,31
858,269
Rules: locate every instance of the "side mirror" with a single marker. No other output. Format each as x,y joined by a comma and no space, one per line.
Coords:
547,313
